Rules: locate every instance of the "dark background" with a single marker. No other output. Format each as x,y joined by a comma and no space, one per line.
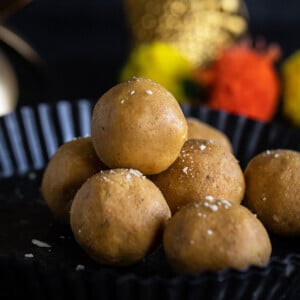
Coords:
85,43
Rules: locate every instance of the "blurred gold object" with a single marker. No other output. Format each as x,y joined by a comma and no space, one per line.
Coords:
197,28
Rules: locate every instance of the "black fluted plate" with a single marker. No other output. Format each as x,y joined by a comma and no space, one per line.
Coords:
29,137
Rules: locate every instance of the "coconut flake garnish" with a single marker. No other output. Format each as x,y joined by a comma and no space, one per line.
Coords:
40,244
149,92
185,170
28,255
209,198
80,268
136,173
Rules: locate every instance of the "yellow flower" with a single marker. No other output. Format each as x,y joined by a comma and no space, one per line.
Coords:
291,87
161,63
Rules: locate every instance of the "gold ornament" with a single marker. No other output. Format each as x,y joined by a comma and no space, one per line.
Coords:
196,28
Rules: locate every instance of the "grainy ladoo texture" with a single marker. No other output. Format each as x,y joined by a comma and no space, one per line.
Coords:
201,130
138,124
117,216
72,164
215,234
273,190
202,168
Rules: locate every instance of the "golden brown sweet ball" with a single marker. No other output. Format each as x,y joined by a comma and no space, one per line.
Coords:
138,124
118,215
215,234
72,164
200,130
202,168
273,190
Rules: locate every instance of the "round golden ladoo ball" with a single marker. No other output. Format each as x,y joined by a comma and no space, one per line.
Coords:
72,164
200,130
118,216
202,168
138,124
215,234
273,190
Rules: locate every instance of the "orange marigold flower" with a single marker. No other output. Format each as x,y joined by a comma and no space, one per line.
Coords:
243,81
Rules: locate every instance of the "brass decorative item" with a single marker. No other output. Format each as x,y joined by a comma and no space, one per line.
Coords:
9,85
197,28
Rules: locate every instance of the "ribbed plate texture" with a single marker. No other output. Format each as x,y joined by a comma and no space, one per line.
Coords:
29,137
